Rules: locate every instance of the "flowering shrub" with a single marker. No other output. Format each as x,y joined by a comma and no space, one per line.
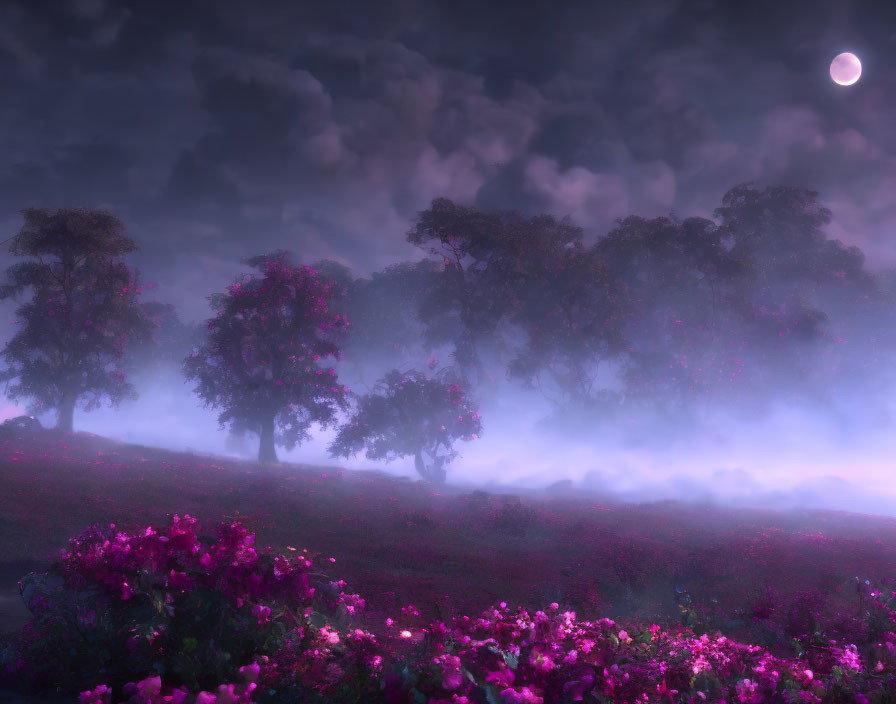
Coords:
146,616
130,602
150,691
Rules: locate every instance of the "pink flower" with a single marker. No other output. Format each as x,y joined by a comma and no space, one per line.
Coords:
149,687
523,696
262,613
250,672
503,677
576,689
540,659
99,695
332,637
179,580
126,591
227,694
451,674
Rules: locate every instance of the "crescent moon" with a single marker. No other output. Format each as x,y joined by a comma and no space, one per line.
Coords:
846,69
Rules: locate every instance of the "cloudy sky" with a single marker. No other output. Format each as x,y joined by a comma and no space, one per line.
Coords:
226,128
219,129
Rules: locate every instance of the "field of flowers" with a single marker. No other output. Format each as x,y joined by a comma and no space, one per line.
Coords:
199,579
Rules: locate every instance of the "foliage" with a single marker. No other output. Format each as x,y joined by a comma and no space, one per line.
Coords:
681,283
386,330
262,363
74,331
171,341
574,318
190,609
490,260
154,590
778,230
406,415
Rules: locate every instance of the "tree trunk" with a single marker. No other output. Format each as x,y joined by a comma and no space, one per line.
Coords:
438,470
266,451
435,473
420,465
65,412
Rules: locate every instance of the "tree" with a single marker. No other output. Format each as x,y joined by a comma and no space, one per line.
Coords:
263,363
73,333
574,318
804,289
779,231
409,414
386,330
489,260
682,285
172,339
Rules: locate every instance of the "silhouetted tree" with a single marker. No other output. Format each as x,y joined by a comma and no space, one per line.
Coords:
386,330
682,283
172,339
489,259
574,317
408,415
804,289
263,362
779,232
336,273
73,332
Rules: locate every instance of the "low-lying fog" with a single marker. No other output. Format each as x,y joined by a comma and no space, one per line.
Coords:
835,455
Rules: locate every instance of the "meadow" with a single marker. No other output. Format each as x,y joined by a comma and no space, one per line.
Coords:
799,585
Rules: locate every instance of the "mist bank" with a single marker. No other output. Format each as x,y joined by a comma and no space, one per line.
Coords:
783,456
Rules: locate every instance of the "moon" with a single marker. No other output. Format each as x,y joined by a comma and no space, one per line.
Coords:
846,69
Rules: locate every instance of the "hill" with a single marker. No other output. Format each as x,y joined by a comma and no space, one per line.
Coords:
446,549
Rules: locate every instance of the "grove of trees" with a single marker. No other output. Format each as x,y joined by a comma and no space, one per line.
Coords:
657,311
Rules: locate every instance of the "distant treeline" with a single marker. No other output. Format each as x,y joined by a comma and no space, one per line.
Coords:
662,311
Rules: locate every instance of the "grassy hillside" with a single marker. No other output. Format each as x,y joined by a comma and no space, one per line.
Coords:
451,549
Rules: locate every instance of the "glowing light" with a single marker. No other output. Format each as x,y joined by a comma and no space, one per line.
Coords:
846,69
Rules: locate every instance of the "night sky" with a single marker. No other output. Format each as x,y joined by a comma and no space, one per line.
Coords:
219,130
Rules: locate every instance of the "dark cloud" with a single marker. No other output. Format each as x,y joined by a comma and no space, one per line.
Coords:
219,130
336,122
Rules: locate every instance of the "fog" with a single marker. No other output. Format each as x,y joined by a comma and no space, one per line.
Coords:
831,448
326,128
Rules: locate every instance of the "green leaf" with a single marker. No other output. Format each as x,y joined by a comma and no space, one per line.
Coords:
190,644
317,619
512,660
493,695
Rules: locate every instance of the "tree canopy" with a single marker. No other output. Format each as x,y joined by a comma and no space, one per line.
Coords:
409,414
73,332
490,260
264,363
